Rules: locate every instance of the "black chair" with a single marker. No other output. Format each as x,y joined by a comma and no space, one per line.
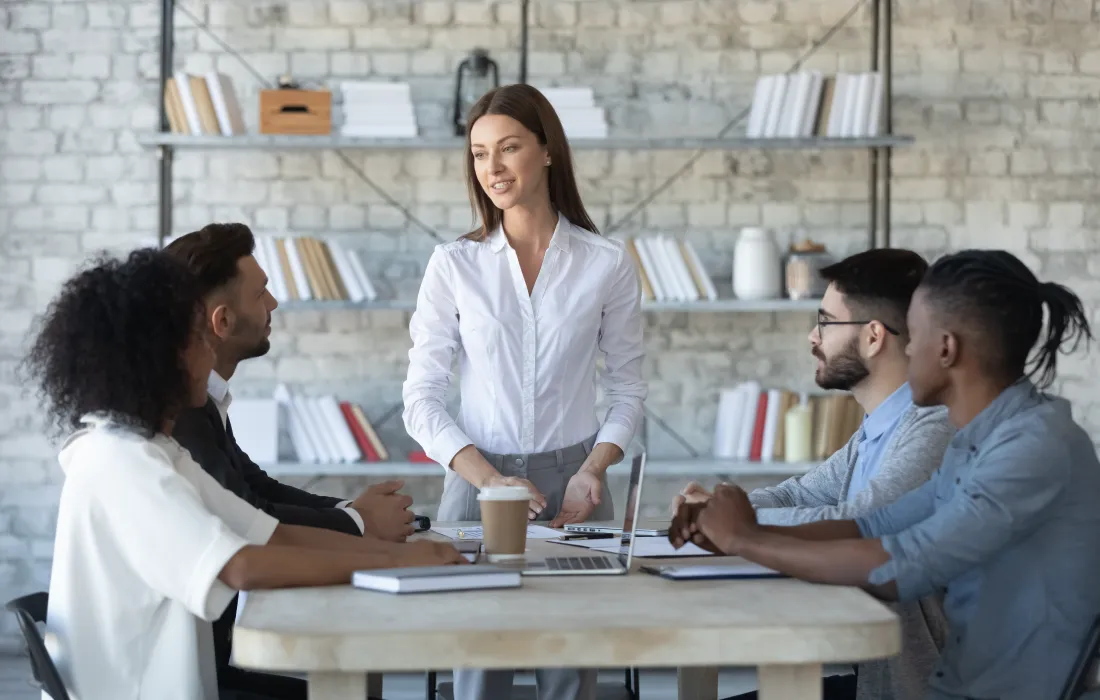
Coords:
1083,675
29,611
632,686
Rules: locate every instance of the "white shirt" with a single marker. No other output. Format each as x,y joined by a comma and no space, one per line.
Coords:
527,363
142,534
218,390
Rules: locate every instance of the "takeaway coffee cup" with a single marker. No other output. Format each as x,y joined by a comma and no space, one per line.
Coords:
504,520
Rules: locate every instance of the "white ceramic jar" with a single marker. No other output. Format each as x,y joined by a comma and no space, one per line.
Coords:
757,268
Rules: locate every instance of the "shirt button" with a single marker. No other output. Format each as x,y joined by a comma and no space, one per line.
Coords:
519,462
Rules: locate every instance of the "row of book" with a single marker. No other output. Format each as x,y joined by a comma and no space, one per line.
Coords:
304,268
757,424
325,431
377,109
203,105
670,270
805,104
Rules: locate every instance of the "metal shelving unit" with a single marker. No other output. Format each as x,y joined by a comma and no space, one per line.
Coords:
878,150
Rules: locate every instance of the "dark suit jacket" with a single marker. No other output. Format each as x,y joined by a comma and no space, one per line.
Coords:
200,432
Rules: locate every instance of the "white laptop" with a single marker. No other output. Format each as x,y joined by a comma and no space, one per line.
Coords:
597,564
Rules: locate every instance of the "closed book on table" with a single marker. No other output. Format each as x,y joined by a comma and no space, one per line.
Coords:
426,579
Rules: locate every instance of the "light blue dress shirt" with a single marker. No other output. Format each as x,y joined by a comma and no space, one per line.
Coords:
1010,527
875,434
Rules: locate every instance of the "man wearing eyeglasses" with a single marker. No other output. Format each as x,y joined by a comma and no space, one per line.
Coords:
859,342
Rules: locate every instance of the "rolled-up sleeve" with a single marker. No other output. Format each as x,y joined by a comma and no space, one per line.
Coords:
435,340
621,341
1007,495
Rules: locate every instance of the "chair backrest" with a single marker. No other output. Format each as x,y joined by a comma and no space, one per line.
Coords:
30,610
1084,674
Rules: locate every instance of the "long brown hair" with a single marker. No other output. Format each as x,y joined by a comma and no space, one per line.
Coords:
530,108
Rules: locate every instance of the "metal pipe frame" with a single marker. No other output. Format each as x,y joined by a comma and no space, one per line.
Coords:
165,153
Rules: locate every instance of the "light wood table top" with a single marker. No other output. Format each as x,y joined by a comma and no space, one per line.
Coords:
635,620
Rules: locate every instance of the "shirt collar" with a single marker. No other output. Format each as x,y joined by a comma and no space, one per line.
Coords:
887,412
560,239
1015,398
217,387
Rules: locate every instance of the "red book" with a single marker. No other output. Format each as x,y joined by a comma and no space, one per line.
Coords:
357,431
758,428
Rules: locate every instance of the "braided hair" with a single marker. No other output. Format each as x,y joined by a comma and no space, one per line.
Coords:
995,293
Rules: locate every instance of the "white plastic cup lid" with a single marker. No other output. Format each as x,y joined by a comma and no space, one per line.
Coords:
504,493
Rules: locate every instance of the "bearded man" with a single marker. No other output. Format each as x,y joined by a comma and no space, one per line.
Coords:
860,344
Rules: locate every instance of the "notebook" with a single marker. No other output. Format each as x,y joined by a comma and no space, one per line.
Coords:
426,579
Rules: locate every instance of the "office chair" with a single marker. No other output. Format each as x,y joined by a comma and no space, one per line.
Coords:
1084,675
30,610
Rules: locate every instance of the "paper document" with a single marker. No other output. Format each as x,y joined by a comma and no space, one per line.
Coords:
534,532
651,547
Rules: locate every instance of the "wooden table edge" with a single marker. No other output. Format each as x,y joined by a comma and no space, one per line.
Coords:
841,643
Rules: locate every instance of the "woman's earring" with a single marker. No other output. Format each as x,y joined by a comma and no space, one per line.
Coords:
548,162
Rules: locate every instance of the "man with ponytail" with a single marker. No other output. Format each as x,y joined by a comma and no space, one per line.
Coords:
1008,526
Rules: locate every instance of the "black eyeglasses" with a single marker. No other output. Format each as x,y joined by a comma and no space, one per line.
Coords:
822,322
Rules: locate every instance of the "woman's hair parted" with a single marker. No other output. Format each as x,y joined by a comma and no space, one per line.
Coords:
530,108
113,342
993,292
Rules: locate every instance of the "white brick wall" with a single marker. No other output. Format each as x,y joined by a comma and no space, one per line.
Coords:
1000,95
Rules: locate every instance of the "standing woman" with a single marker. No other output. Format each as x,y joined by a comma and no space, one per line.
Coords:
526,302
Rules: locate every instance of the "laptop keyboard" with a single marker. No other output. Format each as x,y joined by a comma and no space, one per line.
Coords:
578,563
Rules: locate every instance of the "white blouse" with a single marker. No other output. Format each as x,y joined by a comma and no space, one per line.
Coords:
526,363
142,535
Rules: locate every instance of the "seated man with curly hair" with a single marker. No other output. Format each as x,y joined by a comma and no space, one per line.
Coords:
149,547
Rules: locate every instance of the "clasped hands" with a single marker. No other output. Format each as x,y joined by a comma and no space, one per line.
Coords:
719,522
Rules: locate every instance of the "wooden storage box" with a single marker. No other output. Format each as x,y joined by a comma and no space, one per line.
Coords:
295,112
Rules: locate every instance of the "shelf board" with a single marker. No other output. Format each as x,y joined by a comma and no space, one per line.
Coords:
288,142
657,467
719,306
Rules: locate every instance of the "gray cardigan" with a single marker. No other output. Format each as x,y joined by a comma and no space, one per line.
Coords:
913,453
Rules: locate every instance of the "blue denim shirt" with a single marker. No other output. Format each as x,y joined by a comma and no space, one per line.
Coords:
1010,527
875,434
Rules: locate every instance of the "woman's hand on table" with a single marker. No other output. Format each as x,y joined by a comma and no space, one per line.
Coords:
582,495
538,501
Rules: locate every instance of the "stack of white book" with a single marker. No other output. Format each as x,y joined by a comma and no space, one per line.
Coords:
577,110
801,105
303,268
374,109
670,270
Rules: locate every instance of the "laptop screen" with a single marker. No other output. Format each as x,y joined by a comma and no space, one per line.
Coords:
633,507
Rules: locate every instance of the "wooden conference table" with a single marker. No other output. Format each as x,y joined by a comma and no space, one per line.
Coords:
786,628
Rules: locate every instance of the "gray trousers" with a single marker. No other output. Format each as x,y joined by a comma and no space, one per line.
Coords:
550,473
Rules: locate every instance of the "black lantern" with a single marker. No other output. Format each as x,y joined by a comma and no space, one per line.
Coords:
472,81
